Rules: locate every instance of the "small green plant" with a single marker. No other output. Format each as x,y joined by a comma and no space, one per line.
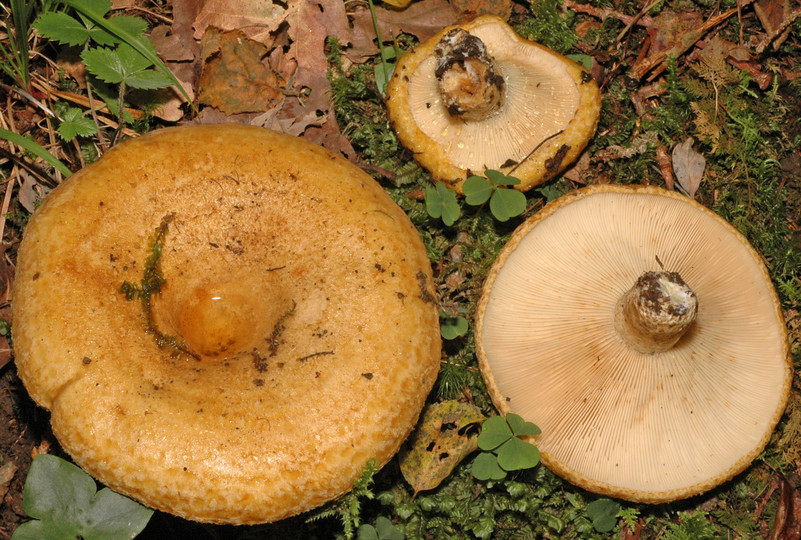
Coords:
66,505
503,449
388,55
383,530
15,56
452,327
504,203
603,514
115,51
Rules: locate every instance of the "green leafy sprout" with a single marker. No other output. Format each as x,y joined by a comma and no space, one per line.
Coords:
503,449
65,504
388,56
452,326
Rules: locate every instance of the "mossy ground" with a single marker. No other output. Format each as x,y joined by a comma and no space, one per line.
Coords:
751,138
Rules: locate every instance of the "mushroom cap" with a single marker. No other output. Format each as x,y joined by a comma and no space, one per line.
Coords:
642,427
550,113
304,290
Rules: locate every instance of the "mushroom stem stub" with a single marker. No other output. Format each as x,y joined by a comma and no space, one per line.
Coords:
653,315
471,85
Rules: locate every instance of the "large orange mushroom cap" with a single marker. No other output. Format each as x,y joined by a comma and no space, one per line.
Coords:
648,420
301,296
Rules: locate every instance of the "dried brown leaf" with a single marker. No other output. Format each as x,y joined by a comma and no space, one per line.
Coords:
422,19
256,19
501,8
688,166
787,524
439,443
233,77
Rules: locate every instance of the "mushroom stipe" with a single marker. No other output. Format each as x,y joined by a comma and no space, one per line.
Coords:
270,274
627,410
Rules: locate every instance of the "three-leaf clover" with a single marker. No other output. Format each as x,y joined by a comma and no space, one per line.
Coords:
503,448
66,504
441,203
505,203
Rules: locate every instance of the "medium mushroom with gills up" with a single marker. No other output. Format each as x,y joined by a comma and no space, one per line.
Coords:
641,332
477,96
226,323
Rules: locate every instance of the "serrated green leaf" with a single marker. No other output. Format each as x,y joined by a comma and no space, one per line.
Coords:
148,79
494,432
143,45
104,64
520,427
603,513
485,467
74,124
507,203
101,36
67,504
453,327
477,190
59,27
516,454
124,65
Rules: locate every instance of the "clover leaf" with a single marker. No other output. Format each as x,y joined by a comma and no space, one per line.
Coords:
441,203
452,327
603,514
503,449
504,203
66,506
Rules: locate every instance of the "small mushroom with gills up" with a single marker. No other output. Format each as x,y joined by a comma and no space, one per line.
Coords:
641,332
477,96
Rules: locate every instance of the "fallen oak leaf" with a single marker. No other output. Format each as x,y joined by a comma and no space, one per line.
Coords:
688,166
439,443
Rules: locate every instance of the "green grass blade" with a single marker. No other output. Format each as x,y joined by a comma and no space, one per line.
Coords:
35,149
